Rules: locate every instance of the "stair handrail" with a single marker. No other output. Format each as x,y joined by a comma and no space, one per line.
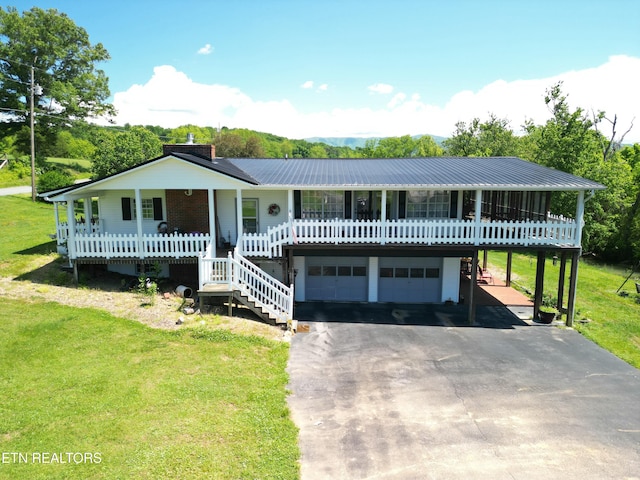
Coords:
265,291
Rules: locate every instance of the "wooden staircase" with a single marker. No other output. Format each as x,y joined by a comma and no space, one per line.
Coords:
239,279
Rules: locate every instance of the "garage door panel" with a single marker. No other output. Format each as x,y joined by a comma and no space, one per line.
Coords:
410,280
337,278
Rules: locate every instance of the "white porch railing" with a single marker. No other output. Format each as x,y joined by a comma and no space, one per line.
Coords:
557,231
240,274
94,227
107,245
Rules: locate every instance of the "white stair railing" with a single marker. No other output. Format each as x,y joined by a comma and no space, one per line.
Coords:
267,293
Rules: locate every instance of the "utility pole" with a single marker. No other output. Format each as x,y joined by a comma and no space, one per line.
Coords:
33,140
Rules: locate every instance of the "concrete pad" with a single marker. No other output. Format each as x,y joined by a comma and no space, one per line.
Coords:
430,399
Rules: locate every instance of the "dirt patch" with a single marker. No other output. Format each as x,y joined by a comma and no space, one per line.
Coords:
111,293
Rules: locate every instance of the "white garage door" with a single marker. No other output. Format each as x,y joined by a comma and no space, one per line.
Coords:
410,280
336,278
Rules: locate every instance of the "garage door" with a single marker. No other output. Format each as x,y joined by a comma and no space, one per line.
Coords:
410,280
330,278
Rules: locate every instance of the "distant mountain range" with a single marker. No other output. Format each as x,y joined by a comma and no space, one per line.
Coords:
354,142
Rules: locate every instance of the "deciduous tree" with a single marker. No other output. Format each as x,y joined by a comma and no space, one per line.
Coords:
64,65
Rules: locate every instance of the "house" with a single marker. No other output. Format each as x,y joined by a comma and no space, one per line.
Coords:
275,231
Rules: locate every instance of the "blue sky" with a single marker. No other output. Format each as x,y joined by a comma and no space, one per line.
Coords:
361,68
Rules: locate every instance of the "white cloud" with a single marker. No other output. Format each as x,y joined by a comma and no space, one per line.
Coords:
308,84
171,99
206,50
381,88
324,87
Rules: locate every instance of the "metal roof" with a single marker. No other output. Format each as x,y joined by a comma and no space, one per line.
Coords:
498,173
221,165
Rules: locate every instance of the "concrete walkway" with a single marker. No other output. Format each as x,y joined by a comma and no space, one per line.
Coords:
14,190
403,393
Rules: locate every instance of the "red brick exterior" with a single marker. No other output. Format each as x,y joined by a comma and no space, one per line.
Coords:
188,213
208,151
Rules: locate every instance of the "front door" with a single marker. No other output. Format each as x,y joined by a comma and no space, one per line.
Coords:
250,215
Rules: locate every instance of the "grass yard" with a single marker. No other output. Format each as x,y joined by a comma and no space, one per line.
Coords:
604,316
151,403
141,403
25,227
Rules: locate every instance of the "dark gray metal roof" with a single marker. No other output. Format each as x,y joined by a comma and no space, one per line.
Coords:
221,165
498,173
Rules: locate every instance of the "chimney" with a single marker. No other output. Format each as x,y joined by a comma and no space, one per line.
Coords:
203,150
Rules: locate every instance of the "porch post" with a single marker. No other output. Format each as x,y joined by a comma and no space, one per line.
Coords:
383,218
537,296
290,204
561,280
56,215
477,215
71,233
573,287
473,280
88,213
212,222
239,215
579,218
460,204
139,221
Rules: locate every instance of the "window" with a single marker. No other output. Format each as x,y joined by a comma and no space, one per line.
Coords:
151,208
428,204
322,204
147,208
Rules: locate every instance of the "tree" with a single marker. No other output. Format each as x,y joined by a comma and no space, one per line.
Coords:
117,151
491,138
569,141
426,146
50,45
400,147
229,145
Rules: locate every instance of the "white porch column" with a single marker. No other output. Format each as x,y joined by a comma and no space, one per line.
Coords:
212,222
56,215
139,221
71,233
579,218
383,217
460,204
88,213
239,228
290,204
477,216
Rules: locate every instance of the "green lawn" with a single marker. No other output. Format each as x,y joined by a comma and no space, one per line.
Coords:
25,227
606,317
147,403
153,404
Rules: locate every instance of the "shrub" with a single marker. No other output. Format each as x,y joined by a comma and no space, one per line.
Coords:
54,179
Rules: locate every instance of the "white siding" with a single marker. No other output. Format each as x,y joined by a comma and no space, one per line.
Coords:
111,212
227,210
450,279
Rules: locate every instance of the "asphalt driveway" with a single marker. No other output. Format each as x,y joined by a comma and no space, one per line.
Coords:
412,393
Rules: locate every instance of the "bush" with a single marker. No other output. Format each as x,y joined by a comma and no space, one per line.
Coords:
54,179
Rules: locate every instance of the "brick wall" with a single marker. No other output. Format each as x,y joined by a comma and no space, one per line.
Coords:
188,213
208,151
